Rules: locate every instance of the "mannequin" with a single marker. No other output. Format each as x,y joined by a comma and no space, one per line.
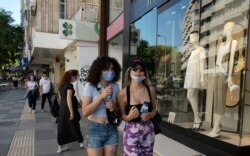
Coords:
194,80
223,75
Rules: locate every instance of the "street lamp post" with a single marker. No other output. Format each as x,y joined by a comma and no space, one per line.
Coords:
165,51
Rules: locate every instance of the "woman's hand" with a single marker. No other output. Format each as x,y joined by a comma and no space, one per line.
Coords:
146,116
110,105
133,113
106,92
71,116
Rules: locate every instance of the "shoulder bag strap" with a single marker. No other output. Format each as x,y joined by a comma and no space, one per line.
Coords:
128,94
230,48
149,93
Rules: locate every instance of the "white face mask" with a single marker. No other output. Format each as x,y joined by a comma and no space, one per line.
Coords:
137,78
32,78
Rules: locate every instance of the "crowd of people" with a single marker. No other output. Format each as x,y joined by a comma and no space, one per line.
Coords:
101,95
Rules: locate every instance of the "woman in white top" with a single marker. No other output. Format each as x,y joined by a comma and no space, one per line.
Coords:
223,75
194,79
31,85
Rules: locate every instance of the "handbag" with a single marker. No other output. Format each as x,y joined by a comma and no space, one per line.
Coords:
233,92
54,108
51,91
240,65
156,120
114,117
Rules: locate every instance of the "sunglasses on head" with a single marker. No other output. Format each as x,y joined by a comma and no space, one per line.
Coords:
141,69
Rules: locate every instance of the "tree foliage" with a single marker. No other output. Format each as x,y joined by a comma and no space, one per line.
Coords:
11,40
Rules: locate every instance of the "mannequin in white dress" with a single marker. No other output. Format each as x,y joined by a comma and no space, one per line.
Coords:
194,80
223,75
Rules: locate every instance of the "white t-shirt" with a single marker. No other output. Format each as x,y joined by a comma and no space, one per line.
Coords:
223,50
45,84
31,85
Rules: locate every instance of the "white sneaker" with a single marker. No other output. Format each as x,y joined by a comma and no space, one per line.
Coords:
81,145
62,149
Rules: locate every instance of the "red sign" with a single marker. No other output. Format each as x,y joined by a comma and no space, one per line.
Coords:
116,27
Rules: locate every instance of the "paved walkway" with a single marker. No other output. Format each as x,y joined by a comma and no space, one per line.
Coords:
26,134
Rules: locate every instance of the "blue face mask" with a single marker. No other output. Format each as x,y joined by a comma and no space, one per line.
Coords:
137,78
108,75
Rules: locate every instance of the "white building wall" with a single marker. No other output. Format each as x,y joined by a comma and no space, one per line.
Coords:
70,56
87,52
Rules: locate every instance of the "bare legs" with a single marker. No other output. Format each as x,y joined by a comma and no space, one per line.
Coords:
192,95
110,150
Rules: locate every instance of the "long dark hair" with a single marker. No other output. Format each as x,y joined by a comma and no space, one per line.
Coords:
67,77
31,74
102,63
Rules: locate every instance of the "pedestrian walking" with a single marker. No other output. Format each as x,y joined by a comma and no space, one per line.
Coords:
137,109
15,81
31,85
10,81
68,128
45,90
99,95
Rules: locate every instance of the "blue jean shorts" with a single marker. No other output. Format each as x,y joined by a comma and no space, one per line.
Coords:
100,135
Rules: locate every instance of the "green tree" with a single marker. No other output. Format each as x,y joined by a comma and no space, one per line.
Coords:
11,40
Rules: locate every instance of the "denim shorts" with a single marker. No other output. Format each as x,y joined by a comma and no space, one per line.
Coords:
100,135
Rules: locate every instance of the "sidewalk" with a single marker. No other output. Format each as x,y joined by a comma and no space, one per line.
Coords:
26,134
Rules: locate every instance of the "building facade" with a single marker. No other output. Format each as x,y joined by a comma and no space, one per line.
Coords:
61,35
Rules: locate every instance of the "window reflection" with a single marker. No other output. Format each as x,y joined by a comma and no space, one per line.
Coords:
143,41
167,49
115,8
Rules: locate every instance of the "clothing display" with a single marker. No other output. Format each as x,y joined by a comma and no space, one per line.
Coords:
223,75
192,79
223,58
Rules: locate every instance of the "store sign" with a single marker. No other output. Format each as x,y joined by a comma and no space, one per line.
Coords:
24,62
116,27
79,30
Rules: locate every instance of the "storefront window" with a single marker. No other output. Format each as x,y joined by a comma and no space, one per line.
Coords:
143,41
196,51
115,9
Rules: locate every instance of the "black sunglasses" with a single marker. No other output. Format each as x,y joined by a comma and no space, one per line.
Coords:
141,69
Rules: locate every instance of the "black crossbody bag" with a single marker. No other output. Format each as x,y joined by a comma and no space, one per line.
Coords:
156,120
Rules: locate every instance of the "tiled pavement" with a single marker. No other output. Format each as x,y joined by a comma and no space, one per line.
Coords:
26,134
